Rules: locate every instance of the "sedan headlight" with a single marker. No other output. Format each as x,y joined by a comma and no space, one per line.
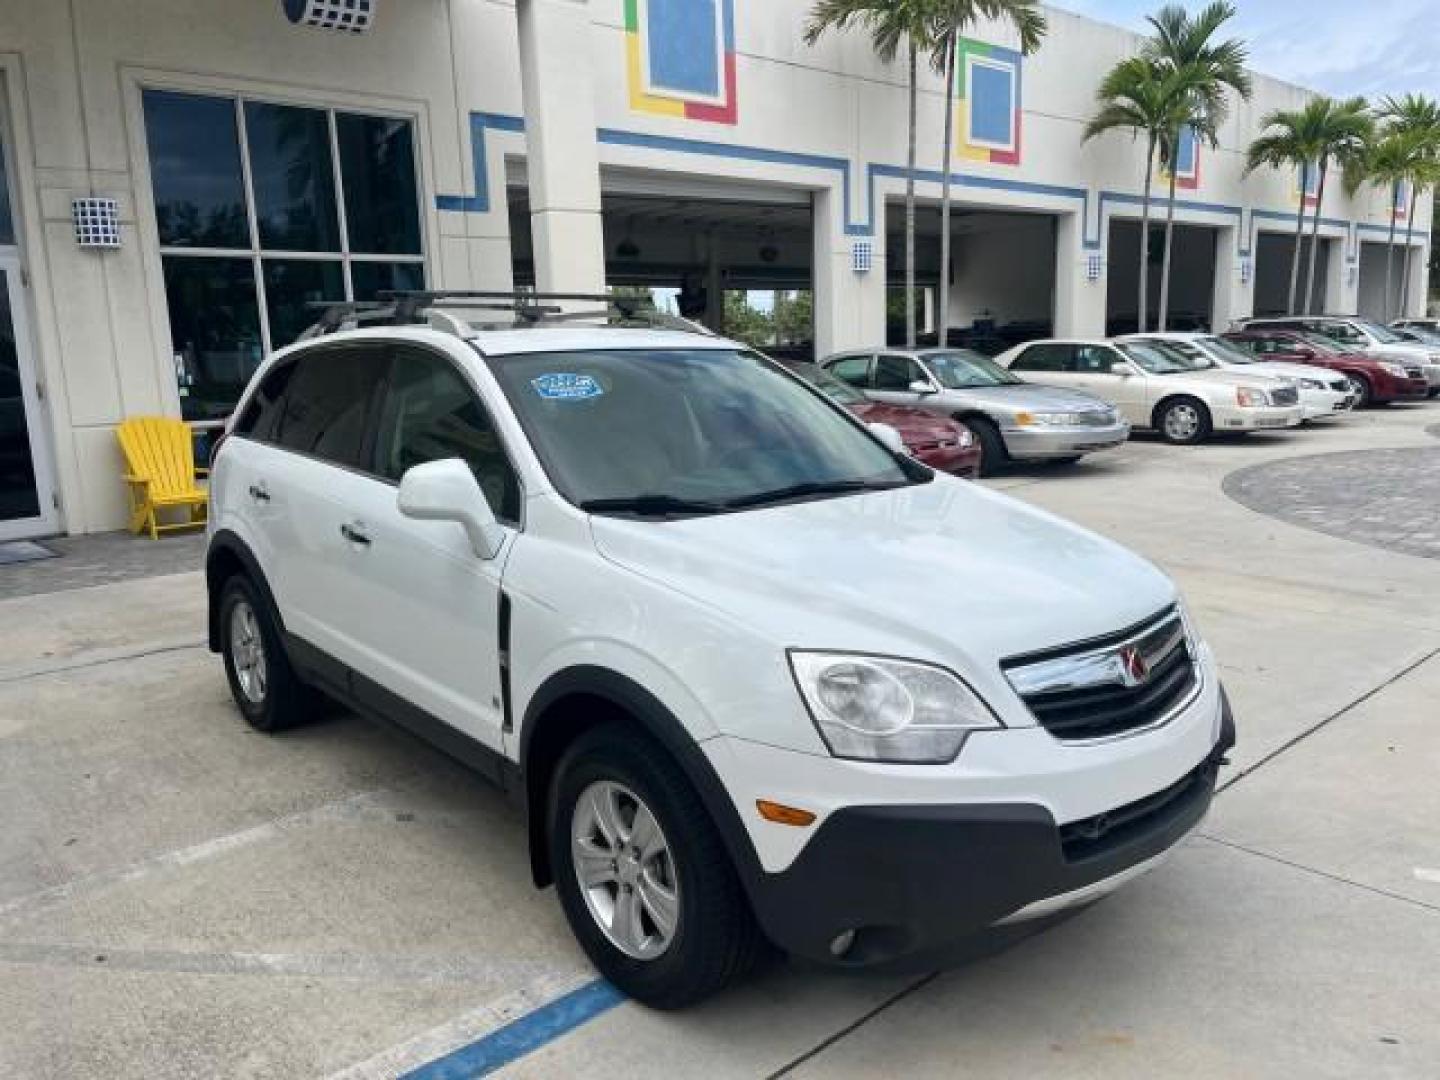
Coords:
1048,419
1398,370
1251,399
1312,384
874,708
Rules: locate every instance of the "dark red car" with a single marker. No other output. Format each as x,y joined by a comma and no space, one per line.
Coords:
945,445
1376,381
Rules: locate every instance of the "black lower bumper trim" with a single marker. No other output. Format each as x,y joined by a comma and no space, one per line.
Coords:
915,882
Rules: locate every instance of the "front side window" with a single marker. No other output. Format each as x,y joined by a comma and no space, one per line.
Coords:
962,369
630,431
1341,332
235,291
1092,360
1382,334
431,413
326,405
1226,350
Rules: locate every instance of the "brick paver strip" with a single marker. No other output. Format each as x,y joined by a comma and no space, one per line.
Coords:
1385,498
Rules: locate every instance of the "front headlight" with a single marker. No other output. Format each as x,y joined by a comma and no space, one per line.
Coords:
1251,399
967,439
1311,384
1048,419
875,708
1398,370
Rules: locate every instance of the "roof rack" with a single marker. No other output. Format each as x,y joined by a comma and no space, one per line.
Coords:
437,307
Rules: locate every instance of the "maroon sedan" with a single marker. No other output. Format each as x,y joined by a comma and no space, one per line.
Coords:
1376,381
943,444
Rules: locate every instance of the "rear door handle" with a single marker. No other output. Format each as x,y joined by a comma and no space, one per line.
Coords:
355,534
258,493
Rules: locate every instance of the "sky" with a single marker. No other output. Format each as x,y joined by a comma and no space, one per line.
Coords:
1340,47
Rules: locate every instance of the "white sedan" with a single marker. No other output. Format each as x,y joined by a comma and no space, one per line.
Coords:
1155,386
1324,394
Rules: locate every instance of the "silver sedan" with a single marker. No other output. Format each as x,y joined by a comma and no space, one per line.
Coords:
1014,420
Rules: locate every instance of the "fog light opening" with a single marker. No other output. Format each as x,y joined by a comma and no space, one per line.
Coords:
841,943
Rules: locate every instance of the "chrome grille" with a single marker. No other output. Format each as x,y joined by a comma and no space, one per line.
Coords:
1110,686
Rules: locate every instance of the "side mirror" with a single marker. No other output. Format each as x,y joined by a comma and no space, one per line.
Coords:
920,386
446,491
1121,368
889,436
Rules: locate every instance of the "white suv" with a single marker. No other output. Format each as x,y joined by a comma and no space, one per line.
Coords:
753,674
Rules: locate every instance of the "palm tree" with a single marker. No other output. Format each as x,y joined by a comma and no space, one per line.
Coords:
891,23
1288,138
1344,129
1419,116
1203,70
1388,162
951,19
1138,97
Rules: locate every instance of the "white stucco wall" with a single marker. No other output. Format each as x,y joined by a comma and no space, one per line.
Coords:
828,121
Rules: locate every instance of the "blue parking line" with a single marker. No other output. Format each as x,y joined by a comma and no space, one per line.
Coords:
522,1036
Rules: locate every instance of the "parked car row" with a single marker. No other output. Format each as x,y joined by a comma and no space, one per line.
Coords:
1058,399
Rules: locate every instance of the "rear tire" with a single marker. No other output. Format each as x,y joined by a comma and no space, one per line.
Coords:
993,455
1183,421
671,925
269,694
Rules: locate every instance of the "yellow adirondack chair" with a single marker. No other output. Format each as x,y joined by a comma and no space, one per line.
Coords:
160,457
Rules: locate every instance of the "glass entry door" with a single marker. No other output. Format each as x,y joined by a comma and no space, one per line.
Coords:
26,504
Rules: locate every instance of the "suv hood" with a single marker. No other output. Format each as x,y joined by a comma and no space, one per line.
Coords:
944,571
1405,354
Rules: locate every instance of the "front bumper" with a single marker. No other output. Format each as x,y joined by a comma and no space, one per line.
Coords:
1038,443
957,460
1267,418
916,883
1320,404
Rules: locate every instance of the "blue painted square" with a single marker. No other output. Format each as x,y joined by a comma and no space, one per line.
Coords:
992,104
1185,153
683,49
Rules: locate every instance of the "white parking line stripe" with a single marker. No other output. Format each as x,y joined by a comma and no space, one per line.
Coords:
207,849
426,969
465,1029
1430,877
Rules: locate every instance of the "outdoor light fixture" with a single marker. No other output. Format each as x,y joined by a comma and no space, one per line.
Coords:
1094,266
348,16
1246,271
862,256
97,223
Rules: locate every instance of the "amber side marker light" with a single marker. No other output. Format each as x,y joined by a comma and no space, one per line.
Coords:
784,815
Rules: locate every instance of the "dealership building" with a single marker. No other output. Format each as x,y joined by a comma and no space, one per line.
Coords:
183,179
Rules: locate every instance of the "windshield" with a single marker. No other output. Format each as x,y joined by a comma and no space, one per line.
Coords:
1226,350
1380,333
1159,359
1197,357
842,393
657,432
961,369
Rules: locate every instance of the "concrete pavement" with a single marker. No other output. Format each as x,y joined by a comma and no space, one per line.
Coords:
182,897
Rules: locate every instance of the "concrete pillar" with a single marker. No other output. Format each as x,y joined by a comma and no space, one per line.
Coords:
557,83
1341,279
1413,305
1234,296
1079,301
849,304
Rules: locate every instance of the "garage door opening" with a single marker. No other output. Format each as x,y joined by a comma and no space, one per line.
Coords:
1192,277
741,266
1373,302
1274,254
1002,276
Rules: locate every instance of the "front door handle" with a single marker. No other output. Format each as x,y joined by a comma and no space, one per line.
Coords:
258,493
355,534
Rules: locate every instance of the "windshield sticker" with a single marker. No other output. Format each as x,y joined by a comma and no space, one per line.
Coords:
561,386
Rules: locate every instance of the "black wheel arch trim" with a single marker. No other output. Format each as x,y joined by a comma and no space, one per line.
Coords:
656,719
226,542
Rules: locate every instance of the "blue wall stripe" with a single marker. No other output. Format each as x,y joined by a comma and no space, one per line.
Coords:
481,122
522,1036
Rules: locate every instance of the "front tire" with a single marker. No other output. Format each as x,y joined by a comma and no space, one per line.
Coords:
1364,396
1183,421
993,455
643,876
270,695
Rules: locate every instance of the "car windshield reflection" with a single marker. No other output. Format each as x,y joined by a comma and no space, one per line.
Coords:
961,369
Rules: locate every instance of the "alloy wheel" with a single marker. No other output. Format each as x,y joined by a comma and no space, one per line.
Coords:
247,652
1182,422
625,870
